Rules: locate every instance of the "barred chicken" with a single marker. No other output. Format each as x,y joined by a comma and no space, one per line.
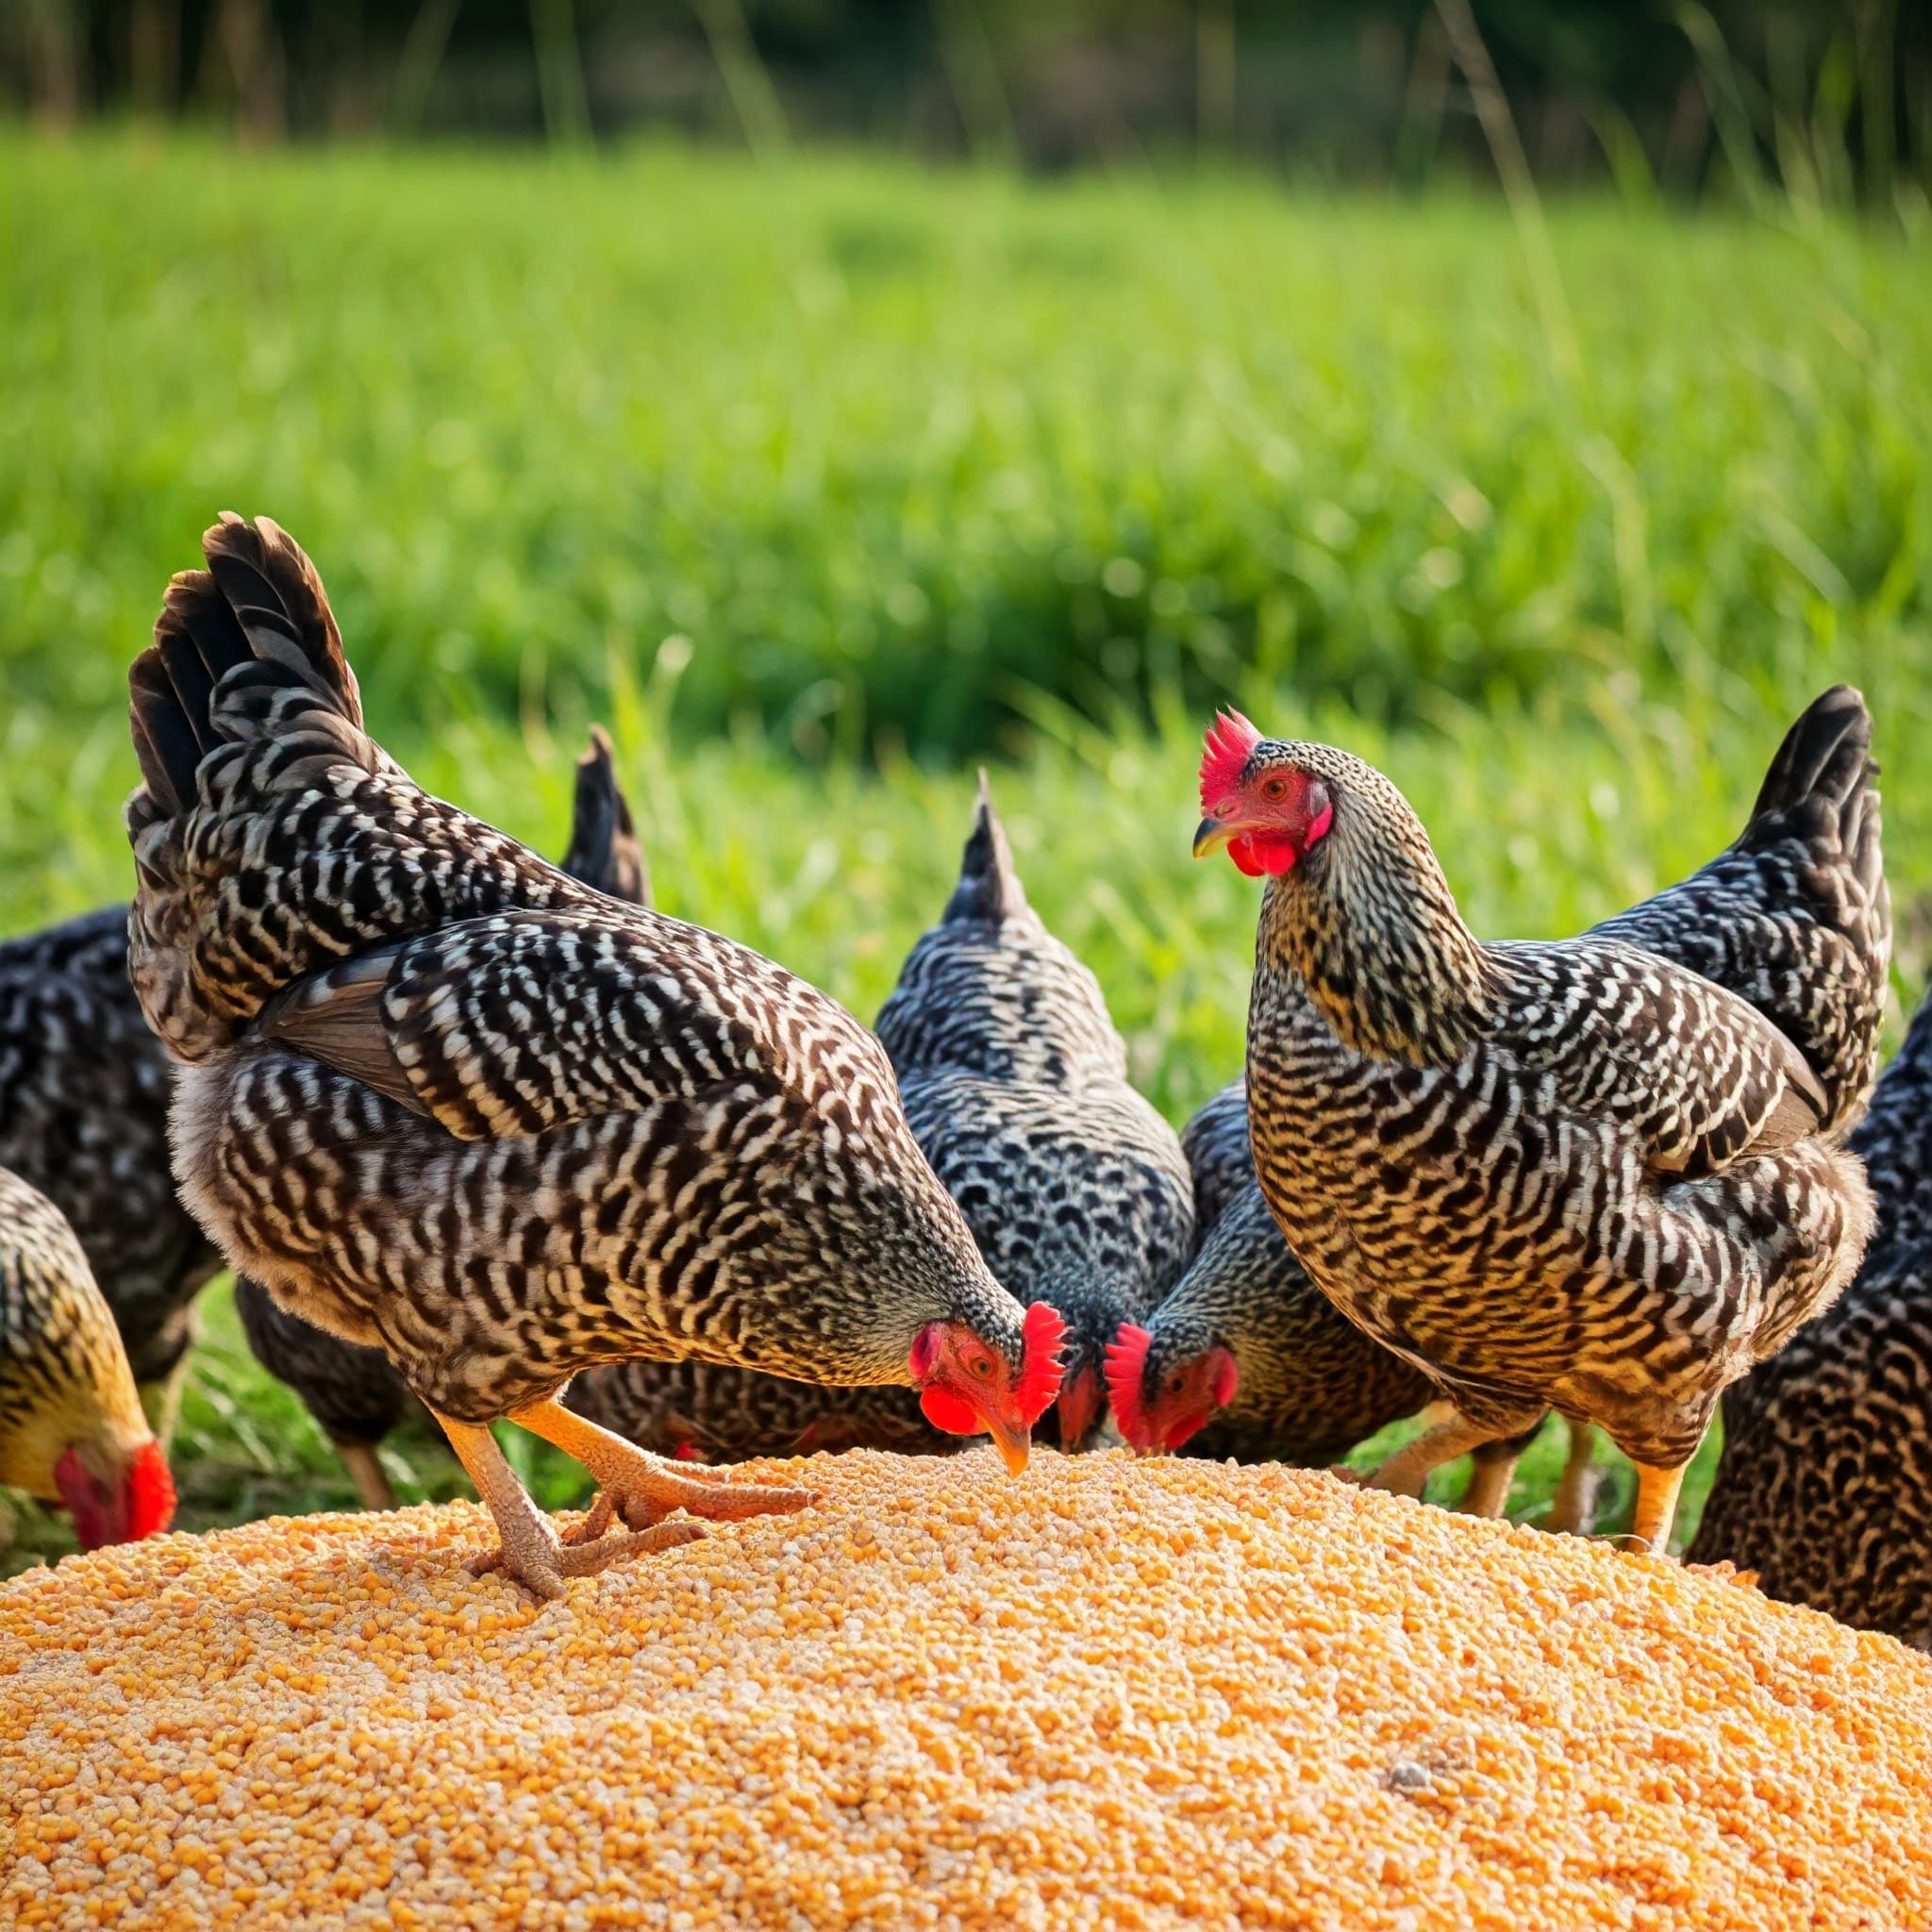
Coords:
355,1393
1825,1484
71,1431
1015,1083
446,1101
1576,1174
84,1118
1760,919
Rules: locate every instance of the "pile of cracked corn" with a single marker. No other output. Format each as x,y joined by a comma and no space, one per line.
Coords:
1112,1694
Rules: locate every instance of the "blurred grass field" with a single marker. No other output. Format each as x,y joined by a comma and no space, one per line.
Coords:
822,482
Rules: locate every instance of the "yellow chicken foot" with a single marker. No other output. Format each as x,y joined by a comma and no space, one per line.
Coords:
1405,1473
1657,1507
529,1547
641,1489
367,1473
1571,1507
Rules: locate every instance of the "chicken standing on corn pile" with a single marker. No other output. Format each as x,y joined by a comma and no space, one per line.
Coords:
355,1393
446,1101
71,1431
1768,905
1825,1485
1573,1175
84,1118
1015,1082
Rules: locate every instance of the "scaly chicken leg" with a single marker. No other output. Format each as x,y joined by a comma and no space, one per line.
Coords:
1570,1507
1403,1474
529,1548
1657,1507
642,1491
366,1472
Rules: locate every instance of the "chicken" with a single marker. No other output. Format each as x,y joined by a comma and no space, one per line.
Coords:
1015,1083
354,1392
1763,918
71,1431
1575,1175
446,1101
84,1118
1825,1485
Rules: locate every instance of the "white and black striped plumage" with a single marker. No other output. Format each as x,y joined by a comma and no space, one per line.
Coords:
84,1118
1015,1082
71,1431
1572,1174
1825,1485
355,1393
446,1101
1789,917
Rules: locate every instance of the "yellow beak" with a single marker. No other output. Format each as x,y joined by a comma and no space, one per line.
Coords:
1013,1449
1210,835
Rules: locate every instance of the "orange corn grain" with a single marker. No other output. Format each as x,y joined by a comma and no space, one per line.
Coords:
1113,1694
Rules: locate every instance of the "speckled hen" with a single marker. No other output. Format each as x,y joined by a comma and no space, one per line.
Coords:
1825,1485
84,1118
446,1101
1769,918
1572,1174
1015,1081
71,1431
355,1393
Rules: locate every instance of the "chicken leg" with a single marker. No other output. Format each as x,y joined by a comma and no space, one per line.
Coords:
529,1547
641,1489
1570,1508
366,1472
1488,1491
1405,1473
1657,1507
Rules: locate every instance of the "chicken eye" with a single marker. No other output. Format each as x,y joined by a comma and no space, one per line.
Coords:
1274,787
1176,1382
980,1366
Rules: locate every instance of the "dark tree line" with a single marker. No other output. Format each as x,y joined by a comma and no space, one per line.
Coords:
1826,98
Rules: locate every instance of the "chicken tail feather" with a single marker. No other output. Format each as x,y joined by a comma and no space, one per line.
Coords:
989,889
604,849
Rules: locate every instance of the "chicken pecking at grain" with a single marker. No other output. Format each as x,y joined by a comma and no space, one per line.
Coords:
84,1118
1788,916
355,1393
446,1101
1825,1485
1015,1082
1575,1175
71,1431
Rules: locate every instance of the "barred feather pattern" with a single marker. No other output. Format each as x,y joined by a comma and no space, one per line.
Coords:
84,1118
575,1132
1573,1176
1014,1079
64,1378
1825,1485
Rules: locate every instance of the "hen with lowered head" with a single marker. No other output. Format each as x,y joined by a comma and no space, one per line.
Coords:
1575,1175
1015,1082
355,1393
1769,919
446,1101
71,1431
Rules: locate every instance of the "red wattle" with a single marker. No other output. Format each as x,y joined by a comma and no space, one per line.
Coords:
150,1493
945,1409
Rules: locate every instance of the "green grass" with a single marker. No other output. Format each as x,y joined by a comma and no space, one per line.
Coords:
809,482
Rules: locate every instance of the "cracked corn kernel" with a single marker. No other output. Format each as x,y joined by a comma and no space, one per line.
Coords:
1112,1694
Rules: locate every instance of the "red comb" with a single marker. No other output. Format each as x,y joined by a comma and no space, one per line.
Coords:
1231,738
150,1493
1126,1361
1039,1361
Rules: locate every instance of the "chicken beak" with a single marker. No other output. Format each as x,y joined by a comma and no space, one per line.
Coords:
1210,836
1014,1445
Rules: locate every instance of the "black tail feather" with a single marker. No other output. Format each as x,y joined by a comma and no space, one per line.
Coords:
261,599
604,849
1826,757
989,889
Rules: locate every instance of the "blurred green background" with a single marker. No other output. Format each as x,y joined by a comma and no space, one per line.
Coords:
822,471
